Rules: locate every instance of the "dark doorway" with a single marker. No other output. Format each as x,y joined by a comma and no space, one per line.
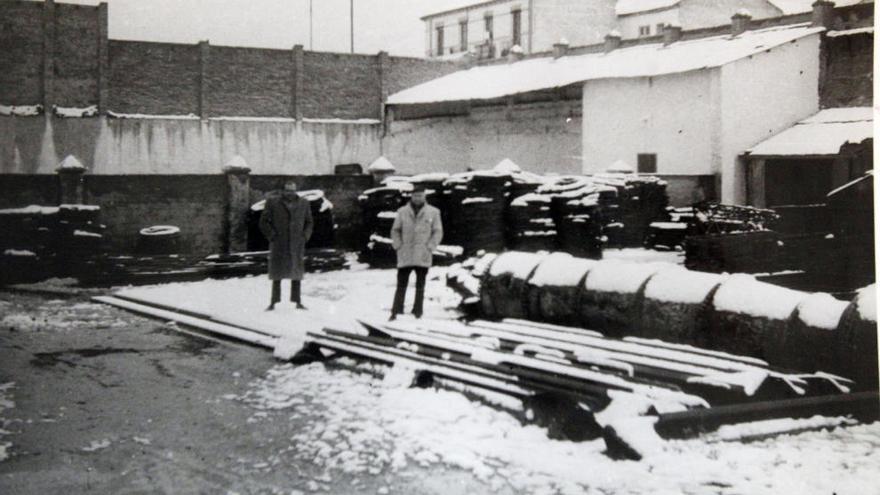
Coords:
797,182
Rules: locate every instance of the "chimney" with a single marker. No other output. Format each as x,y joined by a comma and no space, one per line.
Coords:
515,54
823,13
740,21
612,41
560,48
671,34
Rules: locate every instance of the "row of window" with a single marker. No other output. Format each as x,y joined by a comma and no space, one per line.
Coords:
646,29
489,25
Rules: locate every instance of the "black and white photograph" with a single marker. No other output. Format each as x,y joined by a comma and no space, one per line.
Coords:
438,247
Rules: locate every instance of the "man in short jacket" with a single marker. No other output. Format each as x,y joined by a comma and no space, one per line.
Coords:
417,231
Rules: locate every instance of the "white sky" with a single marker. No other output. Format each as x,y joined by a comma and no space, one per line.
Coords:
391,25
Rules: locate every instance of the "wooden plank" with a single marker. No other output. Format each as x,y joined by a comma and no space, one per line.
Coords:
589,377
194,314
201,324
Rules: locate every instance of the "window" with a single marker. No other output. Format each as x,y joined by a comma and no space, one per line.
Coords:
645,30
490,26
439,40
463,31
517,27
647,163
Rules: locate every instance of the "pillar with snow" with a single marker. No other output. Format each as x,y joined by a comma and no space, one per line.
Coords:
381,169
71,189
237,202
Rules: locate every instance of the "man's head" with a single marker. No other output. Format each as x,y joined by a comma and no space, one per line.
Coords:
418,196
290,186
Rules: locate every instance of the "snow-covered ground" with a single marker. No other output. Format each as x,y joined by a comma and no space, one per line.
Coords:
364,426
361,425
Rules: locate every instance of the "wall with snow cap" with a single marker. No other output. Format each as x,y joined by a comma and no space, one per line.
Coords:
539,137
35,145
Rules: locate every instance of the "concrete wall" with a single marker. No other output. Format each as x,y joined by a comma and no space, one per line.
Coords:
762,96
35,145
848,78
540,137
673,116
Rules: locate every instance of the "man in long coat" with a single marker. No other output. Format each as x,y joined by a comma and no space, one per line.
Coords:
287,224
417,231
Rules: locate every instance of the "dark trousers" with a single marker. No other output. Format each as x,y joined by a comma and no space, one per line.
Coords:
400,293
295,286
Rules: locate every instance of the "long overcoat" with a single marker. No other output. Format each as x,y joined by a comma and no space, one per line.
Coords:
416,235
287,224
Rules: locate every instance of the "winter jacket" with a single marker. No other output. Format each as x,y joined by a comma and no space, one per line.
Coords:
287,224
416,235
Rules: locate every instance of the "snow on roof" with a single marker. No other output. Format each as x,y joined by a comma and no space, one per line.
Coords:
381,164
789,7
850,32
629,7
821,134
654,59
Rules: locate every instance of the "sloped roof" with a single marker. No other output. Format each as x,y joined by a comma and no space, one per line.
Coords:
628,7
820,135
789,7
655,59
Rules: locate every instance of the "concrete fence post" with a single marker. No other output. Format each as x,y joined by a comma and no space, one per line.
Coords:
384,68
238,183
204,60
103,58
48,72
71,187
296,84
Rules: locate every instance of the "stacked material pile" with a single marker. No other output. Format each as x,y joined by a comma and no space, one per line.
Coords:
476,205
43,241
735,314
379,207
530,223
641,200
732,239
323,232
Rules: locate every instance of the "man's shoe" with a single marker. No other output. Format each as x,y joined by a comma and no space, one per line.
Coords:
417,315
392,317
271,307
300,306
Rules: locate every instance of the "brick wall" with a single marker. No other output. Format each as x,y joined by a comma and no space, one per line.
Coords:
249,82
195,203
153,78
848,72
407,72
21,52
18,190
341,190
341,85
75,79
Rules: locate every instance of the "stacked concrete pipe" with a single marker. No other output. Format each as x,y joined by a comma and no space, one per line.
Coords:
732,313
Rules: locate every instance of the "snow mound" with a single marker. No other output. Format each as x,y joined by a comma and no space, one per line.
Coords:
743,294
381,164
866,301
677,285
71,163
620,277
516,263
821,311
561,270
507,166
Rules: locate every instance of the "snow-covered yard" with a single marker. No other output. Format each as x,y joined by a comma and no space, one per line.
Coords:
360,425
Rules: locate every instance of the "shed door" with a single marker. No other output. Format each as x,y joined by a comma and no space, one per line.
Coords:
797,182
